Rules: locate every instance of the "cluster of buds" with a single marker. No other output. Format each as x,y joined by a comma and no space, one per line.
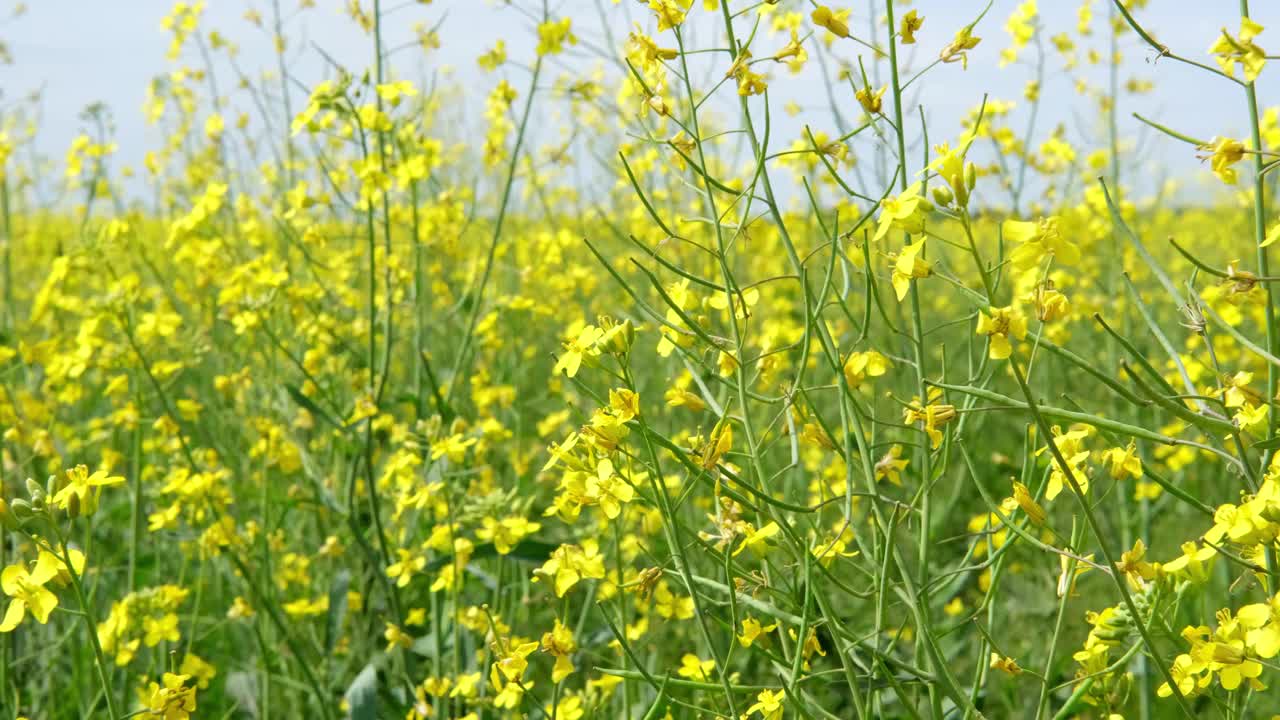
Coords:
73,495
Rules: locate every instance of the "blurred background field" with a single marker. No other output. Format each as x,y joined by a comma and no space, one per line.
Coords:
590,359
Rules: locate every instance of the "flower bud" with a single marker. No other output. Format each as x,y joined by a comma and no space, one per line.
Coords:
970,175
942,195
1034,512
20,510
618,336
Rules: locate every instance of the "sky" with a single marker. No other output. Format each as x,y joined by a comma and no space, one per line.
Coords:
82,51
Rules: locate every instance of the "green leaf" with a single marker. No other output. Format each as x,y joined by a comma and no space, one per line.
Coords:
362,695
1271,444
337,609
310,406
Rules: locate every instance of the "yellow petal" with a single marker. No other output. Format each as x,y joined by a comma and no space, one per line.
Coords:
10,577
1019,231
47,566
901,284
42,603
563,668
1000,348
13,616
1272,235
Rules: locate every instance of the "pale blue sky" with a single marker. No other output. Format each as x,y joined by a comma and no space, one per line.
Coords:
81,51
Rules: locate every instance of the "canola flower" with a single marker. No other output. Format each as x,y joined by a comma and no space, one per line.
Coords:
621,375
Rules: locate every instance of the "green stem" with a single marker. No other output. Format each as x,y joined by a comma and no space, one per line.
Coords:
88,614
1259,235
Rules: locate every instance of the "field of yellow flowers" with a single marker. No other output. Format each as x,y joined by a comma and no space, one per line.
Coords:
608,388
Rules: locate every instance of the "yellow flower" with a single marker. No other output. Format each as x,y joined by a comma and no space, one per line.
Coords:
570,563
510,693
160,629
669,13
1194,563
1188,675
999,326
1071,446
454,447
769,704
756,539
409,564
1037,239
959,46
393,93
836,22
669,606
906,212
1230,51
553,35
1050,304
512,660
1262,622
911,22
583,346
720,442
695,669
559,642
891,465
608,489
749,83
26,587
505,533
933,415
860,366
396,637
1022,496
172,700
1123,463
793,53
80,486
303,607
1134,566
908,266
752,630
1223,153
196,667
871,100
1004,664
1251,418
494,57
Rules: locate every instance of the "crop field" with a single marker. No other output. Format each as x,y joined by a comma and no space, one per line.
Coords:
642,359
